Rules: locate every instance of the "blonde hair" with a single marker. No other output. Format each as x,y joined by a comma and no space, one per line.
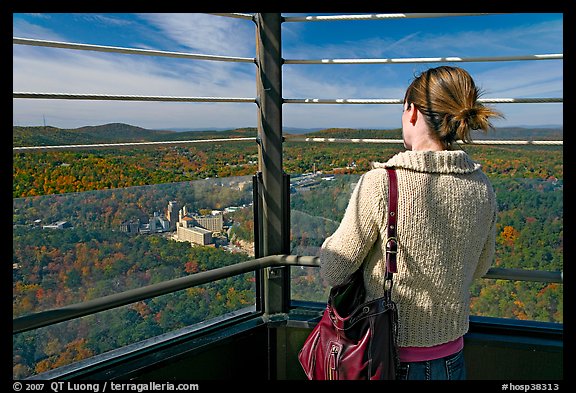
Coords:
448,99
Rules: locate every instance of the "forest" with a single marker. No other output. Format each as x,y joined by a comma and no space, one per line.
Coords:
97,189
65,171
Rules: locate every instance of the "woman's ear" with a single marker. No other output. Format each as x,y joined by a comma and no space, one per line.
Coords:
414,116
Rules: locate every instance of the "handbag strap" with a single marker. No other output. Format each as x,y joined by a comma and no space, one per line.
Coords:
391,240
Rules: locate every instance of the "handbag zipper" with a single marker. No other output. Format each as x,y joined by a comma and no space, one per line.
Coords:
333,362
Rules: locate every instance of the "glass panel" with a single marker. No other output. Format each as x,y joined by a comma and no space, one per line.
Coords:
530,231
161,318
317,204
70,248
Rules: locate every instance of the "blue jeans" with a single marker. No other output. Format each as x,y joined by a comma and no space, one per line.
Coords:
448,368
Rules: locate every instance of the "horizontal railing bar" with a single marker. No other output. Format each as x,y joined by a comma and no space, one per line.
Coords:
110,97
324,18
195,56
128,144
399,101
131,51
233,15
19,149
451,59
400,141
500,273
521,100
45,318
50,317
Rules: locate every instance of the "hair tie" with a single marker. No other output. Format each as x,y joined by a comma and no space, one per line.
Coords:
468,112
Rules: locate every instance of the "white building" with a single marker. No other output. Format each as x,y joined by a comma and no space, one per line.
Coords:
195,235
58,225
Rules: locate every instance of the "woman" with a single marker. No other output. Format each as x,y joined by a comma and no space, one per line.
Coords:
445,225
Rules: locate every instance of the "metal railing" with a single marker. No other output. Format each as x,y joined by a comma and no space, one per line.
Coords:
268,60
54,316
256,18
50,317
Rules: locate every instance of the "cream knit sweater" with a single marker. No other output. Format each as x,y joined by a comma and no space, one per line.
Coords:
446,238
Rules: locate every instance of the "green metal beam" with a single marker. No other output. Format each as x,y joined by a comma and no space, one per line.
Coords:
273,190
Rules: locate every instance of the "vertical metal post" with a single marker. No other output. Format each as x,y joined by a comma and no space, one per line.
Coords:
273,190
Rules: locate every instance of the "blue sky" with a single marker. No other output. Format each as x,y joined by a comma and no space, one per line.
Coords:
50,70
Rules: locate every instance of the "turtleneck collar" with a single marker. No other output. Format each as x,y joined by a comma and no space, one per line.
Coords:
445,161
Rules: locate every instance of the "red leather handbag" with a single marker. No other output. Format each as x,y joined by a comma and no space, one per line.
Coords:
356,340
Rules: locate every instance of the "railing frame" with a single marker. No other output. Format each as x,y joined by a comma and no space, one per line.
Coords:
50,317
272,196
273,191
272,234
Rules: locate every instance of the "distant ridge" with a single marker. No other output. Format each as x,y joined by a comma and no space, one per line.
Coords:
522,133
112,133
116,131
120,132
106,133
347,133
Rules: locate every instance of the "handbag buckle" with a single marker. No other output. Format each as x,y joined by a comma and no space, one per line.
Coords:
392,245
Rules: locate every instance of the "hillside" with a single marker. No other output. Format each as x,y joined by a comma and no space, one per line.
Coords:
353,133
505,133
119,132
113,132
522,133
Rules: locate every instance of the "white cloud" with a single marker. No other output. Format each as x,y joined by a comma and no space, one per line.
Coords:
207,34
67,71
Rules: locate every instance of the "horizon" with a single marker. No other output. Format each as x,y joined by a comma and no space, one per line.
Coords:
50,70
294,130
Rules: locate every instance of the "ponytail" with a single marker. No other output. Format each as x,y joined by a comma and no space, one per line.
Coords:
448,98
